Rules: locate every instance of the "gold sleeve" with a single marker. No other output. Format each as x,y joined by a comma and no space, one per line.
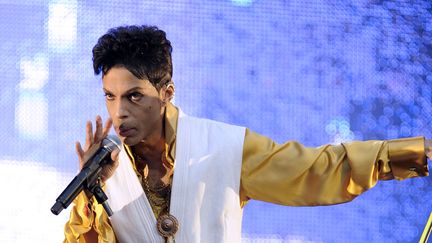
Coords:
292,174
88,222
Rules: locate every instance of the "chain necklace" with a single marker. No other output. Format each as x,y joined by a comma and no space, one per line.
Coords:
167,225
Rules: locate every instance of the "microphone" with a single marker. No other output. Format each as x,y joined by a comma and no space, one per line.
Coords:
88,177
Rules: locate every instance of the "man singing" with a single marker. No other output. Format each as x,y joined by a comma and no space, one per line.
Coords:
183,179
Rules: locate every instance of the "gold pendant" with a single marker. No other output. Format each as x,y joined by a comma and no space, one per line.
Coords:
167,225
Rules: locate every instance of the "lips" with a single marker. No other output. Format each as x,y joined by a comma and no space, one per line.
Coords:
125,131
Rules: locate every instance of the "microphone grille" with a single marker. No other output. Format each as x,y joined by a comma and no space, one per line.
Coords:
111,142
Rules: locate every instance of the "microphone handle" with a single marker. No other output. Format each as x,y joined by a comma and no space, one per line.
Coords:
78,183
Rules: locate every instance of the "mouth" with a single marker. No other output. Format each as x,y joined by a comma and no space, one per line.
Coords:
124,131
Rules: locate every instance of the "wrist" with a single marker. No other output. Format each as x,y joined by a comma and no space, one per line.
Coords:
428,147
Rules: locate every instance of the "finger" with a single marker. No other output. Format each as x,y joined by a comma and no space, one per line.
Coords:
103,177
80,154
79,150
114,155
107,127
114,158
98,133
109,169
89,135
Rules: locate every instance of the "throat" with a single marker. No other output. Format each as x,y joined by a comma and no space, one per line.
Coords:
152,153
154,168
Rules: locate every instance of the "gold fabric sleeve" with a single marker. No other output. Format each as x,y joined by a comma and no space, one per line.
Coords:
292,174
407,157
88,222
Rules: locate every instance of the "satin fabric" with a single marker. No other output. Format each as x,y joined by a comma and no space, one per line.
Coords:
297,175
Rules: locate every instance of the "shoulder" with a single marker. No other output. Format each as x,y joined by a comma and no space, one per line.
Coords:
207,123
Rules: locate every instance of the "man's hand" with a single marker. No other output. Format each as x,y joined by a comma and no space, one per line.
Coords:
92,144
428,148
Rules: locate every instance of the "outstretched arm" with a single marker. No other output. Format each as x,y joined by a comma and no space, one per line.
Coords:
292,174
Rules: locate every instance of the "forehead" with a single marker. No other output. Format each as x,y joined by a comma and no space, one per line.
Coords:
119,80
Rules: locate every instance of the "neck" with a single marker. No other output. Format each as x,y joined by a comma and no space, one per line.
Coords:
153,146
149,148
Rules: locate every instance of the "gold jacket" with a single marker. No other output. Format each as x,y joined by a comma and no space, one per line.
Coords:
297,175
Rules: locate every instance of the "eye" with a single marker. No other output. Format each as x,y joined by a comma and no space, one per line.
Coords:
135,96
109,96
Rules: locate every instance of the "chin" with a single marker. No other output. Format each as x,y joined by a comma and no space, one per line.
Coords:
130,141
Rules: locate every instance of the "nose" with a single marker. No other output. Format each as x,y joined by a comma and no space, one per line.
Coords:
121,111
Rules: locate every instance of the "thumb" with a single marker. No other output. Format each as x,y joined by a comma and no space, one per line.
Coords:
115,154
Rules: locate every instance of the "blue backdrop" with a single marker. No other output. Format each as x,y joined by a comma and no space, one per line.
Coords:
313,71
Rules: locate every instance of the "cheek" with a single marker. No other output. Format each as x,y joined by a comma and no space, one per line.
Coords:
150,113
151,107
110,109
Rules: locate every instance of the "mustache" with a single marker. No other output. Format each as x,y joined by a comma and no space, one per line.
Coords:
124,126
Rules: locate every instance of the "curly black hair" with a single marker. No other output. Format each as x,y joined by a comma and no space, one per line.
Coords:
143,50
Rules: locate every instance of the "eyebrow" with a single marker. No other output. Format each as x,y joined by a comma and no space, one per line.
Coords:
127,92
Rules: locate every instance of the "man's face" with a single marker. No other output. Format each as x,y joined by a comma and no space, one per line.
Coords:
134,105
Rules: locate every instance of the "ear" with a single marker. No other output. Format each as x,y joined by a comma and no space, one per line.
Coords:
167,92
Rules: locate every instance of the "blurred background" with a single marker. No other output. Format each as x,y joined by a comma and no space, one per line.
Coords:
313,71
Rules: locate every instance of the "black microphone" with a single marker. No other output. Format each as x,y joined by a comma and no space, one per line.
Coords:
88,176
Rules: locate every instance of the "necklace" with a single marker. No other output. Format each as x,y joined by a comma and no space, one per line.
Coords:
167,225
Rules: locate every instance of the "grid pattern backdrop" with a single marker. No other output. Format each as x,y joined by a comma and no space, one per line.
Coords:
313,71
